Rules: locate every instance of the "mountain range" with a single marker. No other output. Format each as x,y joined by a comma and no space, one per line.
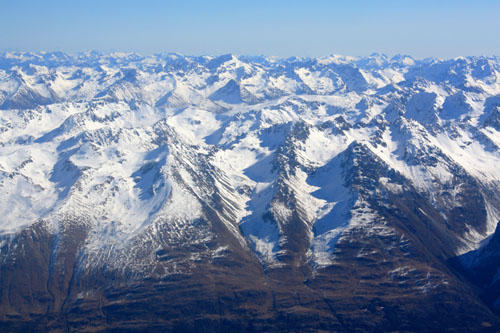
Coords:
179,193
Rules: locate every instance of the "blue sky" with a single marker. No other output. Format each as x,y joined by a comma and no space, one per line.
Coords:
440,28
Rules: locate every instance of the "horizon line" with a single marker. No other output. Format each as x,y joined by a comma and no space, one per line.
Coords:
335,55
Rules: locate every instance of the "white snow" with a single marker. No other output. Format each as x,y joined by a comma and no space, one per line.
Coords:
131,152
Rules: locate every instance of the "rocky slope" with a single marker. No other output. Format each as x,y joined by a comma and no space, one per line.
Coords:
248,193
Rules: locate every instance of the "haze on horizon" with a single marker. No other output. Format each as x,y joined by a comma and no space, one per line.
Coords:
421,29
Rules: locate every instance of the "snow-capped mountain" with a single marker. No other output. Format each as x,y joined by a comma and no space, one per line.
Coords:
168,190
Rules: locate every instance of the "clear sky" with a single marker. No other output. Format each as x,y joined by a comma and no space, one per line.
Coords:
424,28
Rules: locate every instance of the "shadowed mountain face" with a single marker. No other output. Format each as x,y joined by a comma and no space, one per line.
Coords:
174,193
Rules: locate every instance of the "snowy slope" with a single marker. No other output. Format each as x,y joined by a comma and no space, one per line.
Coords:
128,142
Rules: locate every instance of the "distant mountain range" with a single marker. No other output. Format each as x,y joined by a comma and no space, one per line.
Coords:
233,193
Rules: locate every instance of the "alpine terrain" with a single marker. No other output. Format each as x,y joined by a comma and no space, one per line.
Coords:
233,193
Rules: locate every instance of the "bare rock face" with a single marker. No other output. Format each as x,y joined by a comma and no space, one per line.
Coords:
174,193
